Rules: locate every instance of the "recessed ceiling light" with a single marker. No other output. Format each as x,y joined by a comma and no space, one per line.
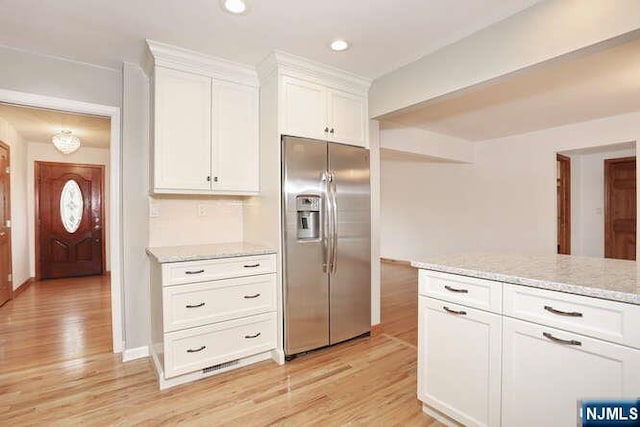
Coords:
237,7
339,45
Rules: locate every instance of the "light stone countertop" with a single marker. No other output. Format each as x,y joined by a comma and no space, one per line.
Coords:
611,279
201,252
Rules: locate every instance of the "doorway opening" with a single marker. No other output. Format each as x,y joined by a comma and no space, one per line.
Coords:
600,201
60,225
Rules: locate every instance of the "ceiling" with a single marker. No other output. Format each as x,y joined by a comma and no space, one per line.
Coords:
384,34
596,85
39,125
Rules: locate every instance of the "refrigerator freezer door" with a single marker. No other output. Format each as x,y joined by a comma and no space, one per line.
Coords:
350,279
306,285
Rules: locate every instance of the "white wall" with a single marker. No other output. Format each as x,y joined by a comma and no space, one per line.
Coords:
505,200
46,75
135,216
48,153
587,200
19,229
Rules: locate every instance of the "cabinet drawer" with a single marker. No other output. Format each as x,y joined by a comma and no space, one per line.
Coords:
478,293
224,268
197,348
608,320
199,304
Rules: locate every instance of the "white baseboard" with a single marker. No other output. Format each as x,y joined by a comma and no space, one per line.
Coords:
130,354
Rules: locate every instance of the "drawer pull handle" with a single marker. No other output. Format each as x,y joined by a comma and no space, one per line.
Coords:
559,340
252,336
562,313
460,313
460,291
194,272
252,265
251,296
196,350
195,306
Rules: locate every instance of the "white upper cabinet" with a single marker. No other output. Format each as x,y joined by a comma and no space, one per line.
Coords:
317,101
182,145
304,111
235,149
347,118
206,138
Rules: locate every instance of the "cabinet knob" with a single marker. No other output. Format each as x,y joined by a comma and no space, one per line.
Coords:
331,131
215,179
326,129
208,179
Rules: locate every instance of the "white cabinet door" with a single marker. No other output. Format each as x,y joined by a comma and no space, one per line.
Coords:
543,378
235,144
304,109
182,140
347,118
459,351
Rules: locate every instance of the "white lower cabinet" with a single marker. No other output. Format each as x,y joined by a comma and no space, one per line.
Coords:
212,315
478,367
546,372
459,361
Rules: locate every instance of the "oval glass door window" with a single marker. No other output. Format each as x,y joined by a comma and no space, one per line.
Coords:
71,206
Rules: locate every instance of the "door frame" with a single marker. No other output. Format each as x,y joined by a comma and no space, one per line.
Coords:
565,169
115,232
8,208
608,223
36,171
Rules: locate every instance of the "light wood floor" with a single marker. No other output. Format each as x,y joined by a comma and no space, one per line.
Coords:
54,321
370,381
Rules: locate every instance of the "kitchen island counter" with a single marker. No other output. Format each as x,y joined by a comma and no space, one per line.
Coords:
611,279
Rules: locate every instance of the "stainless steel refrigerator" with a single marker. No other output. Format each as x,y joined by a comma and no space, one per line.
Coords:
327,241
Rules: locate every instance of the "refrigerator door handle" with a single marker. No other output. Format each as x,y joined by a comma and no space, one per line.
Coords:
334,227
326,226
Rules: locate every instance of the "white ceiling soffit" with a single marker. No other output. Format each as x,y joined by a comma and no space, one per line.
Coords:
39,125
384,35
597,85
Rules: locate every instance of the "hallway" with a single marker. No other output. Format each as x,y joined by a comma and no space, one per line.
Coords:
54,321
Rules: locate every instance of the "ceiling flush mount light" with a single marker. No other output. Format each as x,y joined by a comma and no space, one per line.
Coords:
237,7
65,142
339,45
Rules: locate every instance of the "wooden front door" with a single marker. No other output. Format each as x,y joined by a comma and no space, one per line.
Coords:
6,285
620,208
69,220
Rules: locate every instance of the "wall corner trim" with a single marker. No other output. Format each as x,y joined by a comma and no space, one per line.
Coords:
130,354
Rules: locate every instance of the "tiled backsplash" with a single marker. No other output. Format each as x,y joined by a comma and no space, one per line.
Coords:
179,221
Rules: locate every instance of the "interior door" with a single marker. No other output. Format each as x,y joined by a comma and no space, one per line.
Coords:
6,286
69,220
306,283
350,278
620,209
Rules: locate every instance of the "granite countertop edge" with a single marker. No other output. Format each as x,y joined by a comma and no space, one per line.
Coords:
203,255
588,291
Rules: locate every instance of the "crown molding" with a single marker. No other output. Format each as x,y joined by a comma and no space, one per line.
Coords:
165,55
289,64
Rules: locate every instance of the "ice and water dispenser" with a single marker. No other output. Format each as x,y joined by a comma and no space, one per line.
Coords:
308,207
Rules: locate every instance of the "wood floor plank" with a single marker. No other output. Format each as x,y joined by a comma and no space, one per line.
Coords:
368,381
